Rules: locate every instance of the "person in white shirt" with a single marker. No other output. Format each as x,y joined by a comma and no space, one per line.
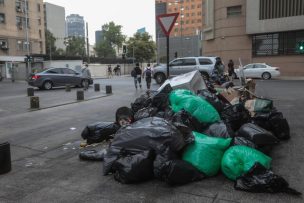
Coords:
148,73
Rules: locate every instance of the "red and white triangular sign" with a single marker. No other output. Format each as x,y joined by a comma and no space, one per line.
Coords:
166,22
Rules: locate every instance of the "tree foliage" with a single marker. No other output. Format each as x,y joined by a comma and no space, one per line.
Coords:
111,37
50,43
75,46
143,45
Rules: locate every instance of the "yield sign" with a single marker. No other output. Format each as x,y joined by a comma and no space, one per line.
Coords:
166,22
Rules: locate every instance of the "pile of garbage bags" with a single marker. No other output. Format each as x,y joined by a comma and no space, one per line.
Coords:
179,136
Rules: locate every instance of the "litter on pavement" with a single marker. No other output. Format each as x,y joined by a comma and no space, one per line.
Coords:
190,129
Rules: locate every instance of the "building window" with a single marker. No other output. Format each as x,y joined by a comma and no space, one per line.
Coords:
284,43
234,11
1,2
39,21
38,7
199,13
2,18
40,34
270,9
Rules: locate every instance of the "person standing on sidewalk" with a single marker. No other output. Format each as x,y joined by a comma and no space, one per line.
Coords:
148,72
110,71
231,69
136,74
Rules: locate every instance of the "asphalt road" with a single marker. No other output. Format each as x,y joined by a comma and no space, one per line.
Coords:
45,148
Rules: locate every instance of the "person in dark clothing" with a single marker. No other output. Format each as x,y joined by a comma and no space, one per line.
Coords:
136,73
231,69
110,71
148,72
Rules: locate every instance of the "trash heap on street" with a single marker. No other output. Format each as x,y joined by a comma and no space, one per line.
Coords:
191,129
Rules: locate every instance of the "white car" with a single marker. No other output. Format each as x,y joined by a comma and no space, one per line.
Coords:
258,70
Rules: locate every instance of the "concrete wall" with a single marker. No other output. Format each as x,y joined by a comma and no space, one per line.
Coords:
254,25
101,70
73,64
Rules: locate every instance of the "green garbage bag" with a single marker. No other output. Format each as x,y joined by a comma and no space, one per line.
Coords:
195,105
206,153
237,160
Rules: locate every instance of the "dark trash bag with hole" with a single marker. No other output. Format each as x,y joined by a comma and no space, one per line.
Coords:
151,133
259,179
145,113
235,116
133,168
179,172
257,135
219,129
92,155
274,122
160,100
99,131
242,141
212,99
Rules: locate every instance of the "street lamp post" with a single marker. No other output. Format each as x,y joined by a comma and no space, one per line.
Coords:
28,63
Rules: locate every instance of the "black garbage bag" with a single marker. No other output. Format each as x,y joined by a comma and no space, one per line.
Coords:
242,141
235,116
133,168
145,113
219,129
274,122
161,99
185,118
141,102
92,155
257,135
151,133
212,99
166,114
179,172
261,180
99,131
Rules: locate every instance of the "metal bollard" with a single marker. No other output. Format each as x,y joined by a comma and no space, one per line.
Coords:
80,95
5,158
30,92
68,88
108,89
34,102
97,87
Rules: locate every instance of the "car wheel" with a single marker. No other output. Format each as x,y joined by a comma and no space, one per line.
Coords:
160,78
205,75
266,76
47,85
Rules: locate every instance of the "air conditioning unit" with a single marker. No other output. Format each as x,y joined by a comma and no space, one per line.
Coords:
3,45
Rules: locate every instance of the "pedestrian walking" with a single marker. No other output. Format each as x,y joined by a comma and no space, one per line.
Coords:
148,72
110,71
117,70
231,72
136,74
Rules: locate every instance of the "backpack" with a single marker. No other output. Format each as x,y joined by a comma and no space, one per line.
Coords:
133,73
149,73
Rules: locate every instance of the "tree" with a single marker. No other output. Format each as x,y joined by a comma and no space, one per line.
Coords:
105,50
75,46
111,37
50,43
143,45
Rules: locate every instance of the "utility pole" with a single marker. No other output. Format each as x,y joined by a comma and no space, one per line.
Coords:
28,63
88,46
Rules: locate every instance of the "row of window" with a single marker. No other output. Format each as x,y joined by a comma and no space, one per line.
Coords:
283,43
186,7
20,21
188,29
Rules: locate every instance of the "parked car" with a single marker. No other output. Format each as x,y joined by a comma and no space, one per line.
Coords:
259,70
56,77
184,65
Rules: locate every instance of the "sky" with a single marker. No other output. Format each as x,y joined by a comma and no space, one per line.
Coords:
130,14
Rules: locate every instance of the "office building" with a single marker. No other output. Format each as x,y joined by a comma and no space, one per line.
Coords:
98,36
250,31
55,23
75,26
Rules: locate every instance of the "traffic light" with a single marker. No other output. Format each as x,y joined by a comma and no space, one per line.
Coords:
124,49
300,47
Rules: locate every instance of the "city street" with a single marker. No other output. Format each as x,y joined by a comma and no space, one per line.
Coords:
45,147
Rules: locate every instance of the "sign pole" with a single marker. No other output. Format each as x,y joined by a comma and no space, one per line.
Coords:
168,73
